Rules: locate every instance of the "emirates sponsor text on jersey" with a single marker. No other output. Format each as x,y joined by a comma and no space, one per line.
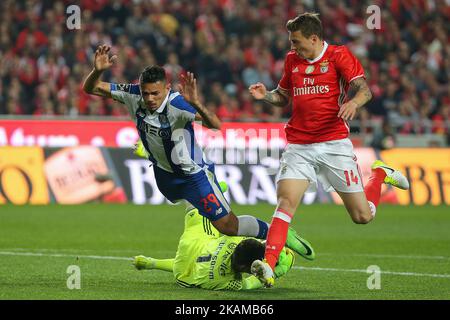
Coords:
310,88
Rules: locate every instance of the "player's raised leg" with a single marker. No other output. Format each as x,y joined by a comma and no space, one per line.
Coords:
357,206
362,206
289,194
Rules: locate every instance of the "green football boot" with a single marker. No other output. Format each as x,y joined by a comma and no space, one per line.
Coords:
299,245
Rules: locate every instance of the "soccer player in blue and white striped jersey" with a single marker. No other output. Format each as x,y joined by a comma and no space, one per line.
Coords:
164,119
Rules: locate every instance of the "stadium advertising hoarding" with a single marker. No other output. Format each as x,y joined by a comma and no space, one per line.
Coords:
22,178
90,174
428,171
81,174
60,133
66,133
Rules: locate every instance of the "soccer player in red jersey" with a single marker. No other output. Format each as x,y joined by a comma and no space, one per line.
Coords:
315,80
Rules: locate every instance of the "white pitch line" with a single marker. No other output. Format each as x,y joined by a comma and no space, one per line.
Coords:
411,274
394,256
369,255
60,255
75,251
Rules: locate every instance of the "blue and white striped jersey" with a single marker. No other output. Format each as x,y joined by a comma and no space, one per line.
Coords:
167,134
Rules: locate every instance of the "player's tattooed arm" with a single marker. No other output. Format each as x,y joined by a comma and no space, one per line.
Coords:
347,111
277,97
208,119
362,91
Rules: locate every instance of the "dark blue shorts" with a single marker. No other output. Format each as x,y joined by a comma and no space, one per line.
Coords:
201,190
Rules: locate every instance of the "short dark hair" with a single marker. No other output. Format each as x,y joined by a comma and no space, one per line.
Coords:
153,74
247,251
308,23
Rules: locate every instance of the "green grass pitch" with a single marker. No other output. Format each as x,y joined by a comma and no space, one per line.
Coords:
410,245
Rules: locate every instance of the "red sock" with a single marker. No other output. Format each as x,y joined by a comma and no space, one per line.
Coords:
276,237
373,187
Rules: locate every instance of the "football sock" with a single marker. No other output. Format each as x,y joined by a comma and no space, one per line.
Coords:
252,227
277,235
373,189
189,206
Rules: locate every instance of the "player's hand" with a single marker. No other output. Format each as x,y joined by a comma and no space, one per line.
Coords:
348,110
258,90
188,88
102,60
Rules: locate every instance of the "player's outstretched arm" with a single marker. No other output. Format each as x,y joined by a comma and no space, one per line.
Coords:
188,89
276,97
92,83
363,95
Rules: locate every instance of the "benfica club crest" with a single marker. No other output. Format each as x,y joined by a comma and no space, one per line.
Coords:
324,66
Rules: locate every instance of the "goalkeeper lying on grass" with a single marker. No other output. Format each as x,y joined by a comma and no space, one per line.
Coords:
205,259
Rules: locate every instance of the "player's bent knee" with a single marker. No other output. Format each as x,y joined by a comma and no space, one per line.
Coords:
362,219
360,215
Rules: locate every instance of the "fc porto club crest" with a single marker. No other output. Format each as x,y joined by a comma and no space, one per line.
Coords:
324,66
164,132
309,69
164,121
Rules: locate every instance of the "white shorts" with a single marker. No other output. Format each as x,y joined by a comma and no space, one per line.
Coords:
333,163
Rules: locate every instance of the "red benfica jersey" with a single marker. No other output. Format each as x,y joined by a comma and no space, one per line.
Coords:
318,88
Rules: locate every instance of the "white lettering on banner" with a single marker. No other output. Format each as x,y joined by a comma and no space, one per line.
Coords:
3,137
97,141
141,174
19,139
244,187
126,137
267,192
64,133
241,139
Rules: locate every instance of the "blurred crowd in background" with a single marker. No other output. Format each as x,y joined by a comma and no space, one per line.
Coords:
228,44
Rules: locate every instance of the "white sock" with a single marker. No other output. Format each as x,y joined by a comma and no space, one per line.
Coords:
252,227
373,209
189,206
